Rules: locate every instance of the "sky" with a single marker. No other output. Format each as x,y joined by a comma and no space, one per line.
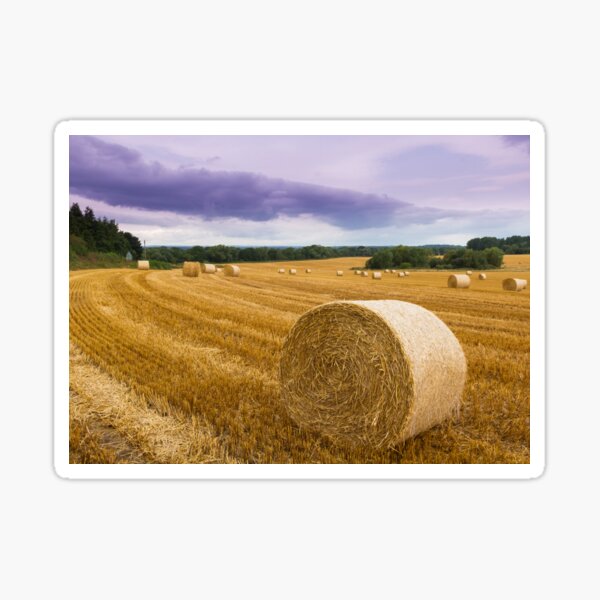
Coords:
302,190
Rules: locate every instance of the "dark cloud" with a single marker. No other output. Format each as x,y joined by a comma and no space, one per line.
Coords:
117,175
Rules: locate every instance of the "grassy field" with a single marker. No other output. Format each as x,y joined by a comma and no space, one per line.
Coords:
171,369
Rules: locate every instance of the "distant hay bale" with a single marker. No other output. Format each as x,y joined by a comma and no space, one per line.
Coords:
514,285
393,270
357,272
482,276
365,273
308,270
208,268
339,273
387,271
191,269
406,273
459,281
371,373
469,272
143,264
232,271
281,270
376,275
401,274
292,271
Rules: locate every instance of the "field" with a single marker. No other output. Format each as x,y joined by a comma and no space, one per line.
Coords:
171,369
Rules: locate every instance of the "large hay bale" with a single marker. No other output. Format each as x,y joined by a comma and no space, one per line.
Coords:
308,270
281,270
339,273
514,285
143,264
292,271
482,276
376,275
365,273
191,269
371,372
208,268
459,281
232,271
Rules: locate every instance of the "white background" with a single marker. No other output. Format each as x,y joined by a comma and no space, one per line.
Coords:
298,539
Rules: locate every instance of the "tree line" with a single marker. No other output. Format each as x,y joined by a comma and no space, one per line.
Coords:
89,234
515,244
405,257
228,254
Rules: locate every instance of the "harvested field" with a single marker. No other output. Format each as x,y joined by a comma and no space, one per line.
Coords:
167,368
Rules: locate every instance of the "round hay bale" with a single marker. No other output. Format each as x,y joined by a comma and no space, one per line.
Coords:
191,269
514,285
281,270
292,271
373,372
357,272
482,276
393,270
387,271
232,271
143,264
308,270
469,272
208,268
406,273
459,281
376,275
401,274
339,273
365,273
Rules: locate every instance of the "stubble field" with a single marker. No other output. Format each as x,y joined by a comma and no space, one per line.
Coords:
172,369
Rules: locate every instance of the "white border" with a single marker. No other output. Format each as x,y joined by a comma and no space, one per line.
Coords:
298,127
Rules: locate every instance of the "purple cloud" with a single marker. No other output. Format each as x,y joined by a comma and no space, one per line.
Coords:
119,176
517,140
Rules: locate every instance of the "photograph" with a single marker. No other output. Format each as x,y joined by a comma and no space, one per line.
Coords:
276,294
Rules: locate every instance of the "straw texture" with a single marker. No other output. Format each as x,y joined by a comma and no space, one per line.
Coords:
191,269
371,372
143,264
208,268
514,285
232,271
459,281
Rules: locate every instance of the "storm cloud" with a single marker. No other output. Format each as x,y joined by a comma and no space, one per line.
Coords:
120,176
